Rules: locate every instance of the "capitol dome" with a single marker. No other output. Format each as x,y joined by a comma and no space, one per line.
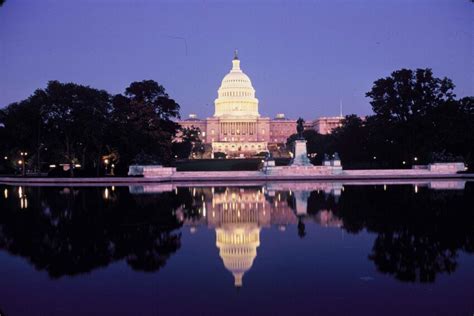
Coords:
236,95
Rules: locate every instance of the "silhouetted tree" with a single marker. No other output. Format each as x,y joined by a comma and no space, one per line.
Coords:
188,142
142,122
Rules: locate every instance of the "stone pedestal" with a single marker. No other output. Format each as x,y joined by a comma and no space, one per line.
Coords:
300,154
336,163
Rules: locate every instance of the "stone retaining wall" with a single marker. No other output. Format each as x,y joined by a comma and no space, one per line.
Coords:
302,170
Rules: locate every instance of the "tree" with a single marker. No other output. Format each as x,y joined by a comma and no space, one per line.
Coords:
22,123
449,139
75,119
142,121
189,142
350,140
402,104
408,94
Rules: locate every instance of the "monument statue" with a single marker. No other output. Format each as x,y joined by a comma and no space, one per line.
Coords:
300,156
300,128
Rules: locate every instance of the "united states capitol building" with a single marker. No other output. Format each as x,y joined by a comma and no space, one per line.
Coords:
237,128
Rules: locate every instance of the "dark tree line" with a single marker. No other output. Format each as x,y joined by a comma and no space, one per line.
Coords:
417,119
71,124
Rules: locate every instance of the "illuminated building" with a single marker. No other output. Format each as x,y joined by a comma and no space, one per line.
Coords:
237,128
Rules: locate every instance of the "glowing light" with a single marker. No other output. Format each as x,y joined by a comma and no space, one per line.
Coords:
5,157
5,193
113,188
385,187
20,192
416,158
52,166
404,162
375,157
106,193
20,162
416,189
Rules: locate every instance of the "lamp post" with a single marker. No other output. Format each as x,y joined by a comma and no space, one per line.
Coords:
106,162
23,163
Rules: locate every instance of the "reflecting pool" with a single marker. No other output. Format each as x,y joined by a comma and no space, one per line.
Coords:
309,248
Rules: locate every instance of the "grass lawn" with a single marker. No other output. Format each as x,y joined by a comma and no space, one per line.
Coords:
224,164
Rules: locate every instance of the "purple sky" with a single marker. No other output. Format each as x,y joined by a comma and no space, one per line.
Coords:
302,56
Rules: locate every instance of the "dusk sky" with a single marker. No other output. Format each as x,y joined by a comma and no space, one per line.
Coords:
302,56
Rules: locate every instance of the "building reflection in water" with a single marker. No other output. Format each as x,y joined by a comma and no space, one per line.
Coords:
238,214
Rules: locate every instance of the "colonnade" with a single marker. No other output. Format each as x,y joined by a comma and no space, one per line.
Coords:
238,128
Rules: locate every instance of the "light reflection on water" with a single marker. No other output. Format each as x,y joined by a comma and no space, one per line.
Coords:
420,231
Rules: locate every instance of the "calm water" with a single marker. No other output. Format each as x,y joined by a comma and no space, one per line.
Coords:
274,249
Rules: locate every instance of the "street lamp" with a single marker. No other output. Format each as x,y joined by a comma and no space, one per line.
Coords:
106,162
22,162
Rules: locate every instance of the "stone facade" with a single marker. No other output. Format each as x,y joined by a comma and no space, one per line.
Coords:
325,125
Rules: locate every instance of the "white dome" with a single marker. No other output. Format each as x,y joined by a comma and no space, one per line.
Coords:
236,95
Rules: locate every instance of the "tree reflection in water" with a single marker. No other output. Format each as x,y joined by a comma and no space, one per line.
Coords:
67,231
419,231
